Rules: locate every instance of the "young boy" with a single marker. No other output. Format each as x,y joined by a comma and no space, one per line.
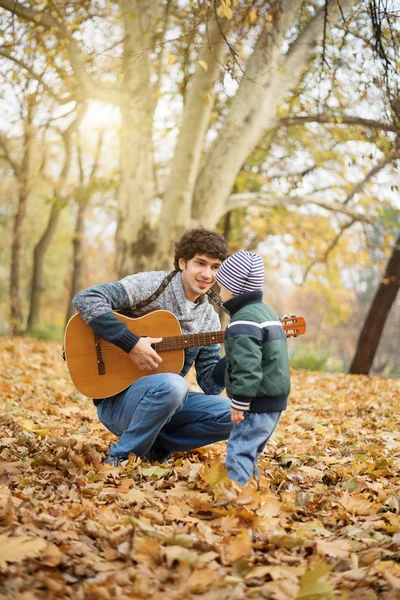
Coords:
257,374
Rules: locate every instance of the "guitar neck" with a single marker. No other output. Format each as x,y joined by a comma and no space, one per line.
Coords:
293,326
178,342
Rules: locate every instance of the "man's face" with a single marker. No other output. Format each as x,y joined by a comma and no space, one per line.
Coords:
198,275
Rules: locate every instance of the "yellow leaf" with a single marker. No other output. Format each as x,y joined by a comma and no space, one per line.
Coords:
268,27
171,59
146,547
134,496
200,580
207,98
313,587
214,473
203,64
16,549
155,472
237,547
224,10
253,16
28,425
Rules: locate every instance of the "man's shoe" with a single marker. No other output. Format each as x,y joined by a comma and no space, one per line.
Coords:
115,461
157,455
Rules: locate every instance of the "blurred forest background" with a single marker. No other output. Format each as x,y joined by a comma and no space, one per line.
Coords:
123,123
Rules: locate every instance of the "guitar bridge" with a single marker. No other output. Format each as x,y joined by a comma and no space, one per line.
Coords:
101,367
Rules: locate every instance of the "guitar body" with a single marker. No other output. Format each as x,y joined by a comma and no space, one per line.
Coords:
120,371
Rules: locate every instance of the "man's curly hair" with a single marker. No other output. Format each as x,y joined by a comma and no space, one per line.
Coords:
200,241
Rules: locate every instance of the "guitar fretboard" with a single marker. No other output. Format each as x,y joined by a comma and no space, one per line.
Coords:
178,342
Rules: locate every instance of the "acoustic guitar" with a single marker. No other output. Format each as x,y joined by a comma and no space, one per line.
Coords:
100,369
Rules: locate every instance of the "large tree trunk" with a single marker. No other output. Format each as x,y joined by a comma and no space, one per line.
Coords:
177,201
270,74
136,186
15,275
135,192
76,280
376,318
39,255
22,174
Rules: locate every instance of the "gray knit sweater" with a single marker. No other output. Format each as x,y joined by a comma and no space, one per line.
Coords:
96,304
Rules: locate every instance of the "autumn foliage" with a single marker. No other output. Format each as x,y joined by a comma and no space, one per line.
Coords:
322,523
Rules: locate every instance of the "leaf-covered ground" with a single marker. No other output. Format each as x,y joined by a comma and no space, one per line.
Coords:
323,523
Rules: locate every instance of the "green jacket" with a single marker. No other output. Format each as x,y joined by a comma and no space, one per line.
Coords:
257,373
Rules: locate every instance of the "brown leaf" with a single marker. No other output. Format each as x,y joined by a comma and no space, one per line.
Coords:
357,504
334,548
7,513
236,547
18,548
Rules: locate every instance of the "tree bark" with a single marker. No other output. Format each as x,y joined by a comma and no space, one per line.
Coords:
137,185
16,314
199,102
83,199
39,255
375,320
76,281
22,174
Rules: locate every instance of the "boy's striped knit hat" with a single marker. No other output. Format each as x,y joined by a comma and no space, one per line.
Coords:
241,272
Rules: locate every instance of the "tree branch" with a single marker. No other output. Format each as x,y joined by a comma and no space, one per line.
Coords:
91,88
331,246
66,135
96,158
270,200
7,156
336,120
381,165
38,77
161,57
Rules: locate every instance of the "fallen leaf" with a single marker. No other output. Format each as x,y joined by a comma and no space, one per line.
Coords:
16,549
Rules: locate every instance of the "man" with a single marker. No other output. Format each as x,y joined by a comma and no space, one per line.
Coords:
157,415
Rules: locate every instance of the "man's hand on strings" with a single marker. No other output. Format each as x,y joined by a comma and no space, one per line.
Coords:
144,356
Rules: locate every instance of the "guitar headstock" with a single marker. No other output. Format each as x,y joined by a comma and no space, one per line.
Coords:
293,325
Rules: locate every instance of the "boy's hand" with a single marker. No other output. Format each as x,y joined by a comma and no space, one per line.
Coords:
236,415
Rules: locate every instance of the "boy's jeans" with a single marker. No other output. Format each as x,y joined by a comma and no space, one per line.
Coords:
157,415
246,442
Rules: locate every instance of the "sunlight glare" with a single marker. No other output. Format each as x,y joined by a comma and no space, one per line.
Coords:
100,116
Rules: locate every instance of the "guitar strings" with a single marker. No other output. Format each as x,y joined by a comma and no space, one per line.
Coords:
170,343
174,343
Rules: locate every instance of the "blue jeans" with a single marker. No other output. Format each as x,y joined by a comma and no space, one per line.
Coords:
157,415
246,442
